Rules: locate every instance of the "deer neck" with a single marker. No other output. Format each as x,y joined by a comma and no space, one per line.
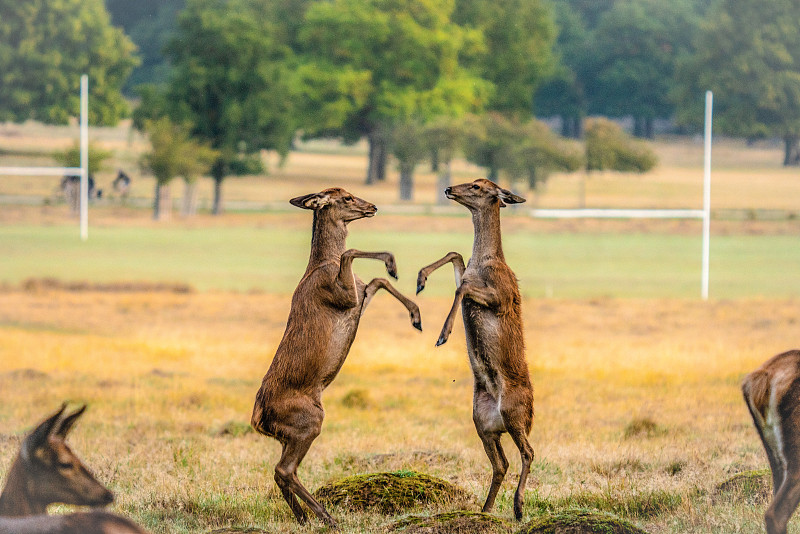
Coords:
488,243
15,500
328,239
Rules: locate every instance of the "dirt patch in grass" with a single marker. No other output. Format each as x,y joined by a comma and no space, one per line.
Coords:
752,487
580,522
238,530
391,493
458,522
35,285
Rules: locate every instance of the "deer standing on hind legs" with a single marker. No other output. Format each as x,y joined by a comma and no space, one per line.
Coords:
491,307
325,311
46,471
772,394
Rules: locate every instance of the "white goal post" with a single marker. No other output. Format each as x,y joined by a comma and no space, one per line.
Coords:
82,171
704,213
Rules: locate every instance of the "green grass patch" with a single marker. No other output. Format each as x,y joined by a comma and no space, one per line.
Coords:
391,493
580,522
639,505
272,259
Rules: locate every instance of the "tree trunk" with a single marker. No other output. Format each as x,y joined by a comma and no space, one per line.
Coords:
443,182
791,152
162,204
434,159
406,182
376,170
218,174
189,202
582,190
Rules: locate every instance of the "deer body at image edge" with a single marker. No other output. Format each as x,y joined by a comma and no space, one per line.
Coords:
491,307
772,395
46,471
325,312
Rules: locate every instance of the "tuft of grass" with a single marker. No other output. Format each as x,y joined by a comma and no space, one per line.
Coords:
234,429
456,522
391,493
640,505
643,427
580,522
753,487
357,398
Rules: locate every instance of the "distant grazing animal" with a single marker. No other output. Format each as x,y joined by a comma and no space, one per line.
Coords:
772,394
122,184
71,189
325,311
491,307
46,471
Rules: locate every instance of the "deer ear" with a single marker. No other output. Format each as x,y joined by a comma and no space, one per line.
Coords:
314,201
38,437
66,424
507,197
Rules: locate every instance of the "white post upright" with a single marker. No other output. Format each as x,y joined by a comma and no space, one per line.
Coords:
84,201
707,194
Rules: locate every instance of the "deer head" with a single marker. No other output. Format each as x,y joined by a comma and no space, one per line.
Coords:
336,203
47,471
481,193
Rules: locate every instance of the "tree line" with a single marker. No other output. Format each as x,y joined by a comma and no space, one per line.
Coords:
248,75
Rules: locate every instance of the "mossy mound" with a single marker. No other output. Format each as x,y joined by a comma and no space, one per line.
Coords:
238,530
458,522
391,493
752,487
580,522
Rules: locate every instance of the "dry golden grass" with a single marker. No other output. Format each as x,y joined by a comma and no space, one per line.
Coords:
170,379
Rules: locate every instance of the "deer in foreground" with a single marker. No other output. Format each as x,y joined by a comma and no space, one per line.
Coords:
491,307
46,471
325,311
772,394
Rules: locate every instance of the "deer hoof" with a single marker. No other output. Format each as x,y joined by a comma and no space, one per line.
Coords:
417,325
442,340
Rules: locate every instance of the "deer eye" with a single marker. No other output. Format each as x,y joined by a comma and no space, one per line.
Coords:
65,465
475,186
348,199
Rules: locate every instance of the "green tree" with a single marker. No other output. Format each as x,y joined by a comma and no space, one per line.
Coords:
562,94
234,81
518,53
45,47
538,152
443,137
409,147
635,49
609,148
150,25
489,140
748,54
173,153
398,58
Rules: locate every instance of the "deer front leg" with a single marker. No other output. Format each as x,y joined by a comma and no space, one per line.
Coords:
382,283
481,294
344,291
458,266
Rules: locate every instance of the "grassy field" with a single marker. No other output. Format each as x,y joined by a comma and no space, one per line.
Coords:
170,379
638,409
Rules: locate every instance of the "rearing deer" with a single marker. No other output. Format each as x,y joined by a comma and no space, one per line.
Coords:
46,471
772,394
325,311
491,306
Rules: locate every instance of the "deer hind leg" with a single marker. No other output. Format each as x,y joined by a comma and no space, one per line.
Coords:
382,283
517,411
489,424
768,439
297,433
787,497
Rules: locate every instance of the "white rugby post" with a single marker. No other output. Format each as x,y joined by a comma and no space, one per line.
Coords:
84,157
707,193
